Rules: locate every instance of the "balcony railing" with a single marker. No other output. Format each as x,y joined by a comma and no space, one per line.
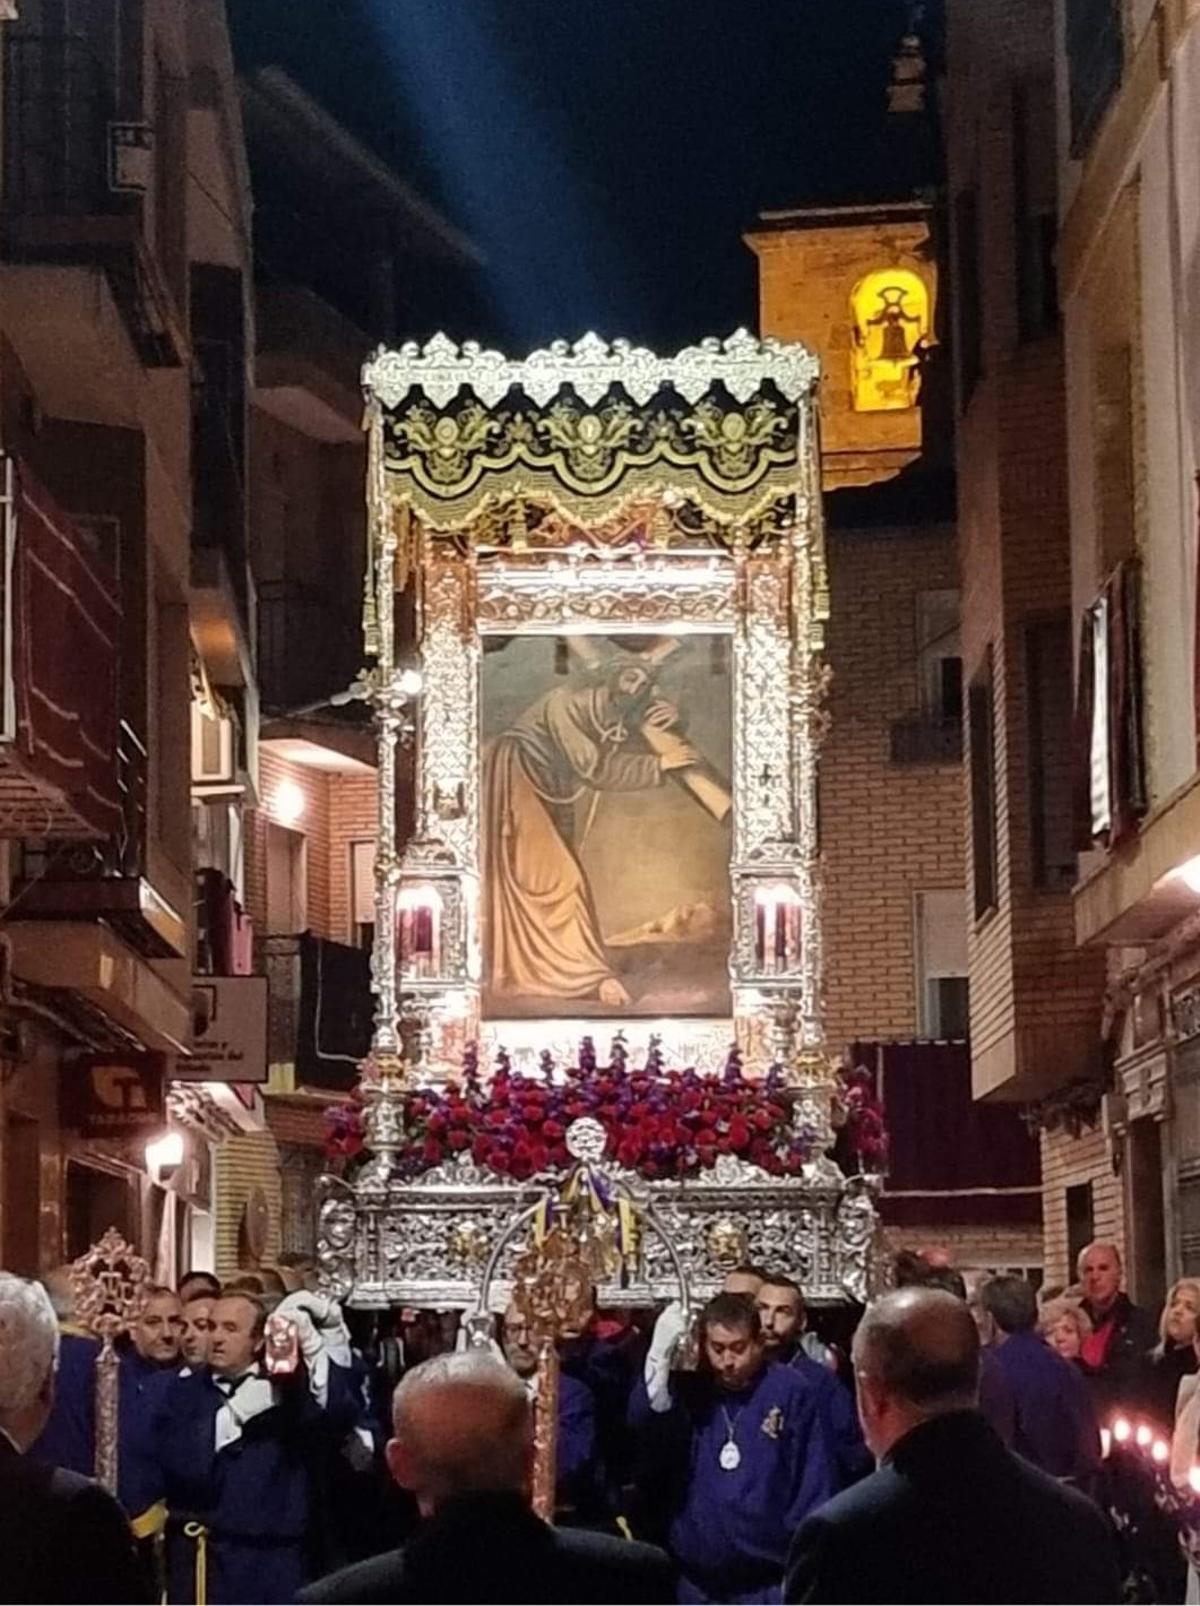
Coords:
58,108
60,766
63,199
308,647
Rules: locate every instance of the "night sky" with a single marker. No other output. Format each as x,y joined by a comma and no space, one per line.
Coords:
605,158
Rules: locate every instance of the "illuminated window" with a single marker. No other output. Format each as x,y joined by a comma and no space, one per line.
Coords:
890,314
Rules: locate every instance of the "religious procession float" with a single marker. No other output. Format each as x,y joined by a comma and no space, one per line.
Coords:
598,1057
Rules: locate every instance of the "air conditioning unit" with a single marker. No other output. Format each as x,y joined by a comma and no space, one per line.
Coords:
212,749
130,157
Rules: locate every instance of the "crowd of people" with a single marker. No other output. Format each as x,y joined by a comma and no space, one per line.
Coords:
959,1448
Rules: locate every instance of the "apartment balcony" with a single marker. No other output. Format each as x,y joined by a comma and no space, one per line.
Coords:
61,774
110,880
307,366
74,178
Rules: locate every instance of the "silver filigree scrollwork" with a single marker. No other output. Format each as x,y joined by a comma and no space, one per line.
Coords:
591,366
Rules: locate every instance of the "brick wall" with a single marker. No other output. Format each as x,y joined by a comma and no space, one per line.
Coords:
316,786
1067,1162
887,831
352,818
972,1248
1035,997
240,1165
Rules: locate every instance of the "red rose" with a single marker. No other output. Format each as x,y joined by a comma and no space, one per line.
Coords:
706,1155
431,1152
762,1120
739,1134
480,1149
437,1125
460,1115
496,1119
552,1131
628,1153
498,1159
532,1111
559,1155
459,1141
538,1156
724,1146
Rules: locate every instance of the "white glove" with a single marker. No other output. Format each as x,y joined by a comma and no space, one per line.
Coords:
325,1319
476,1332
669,1331
251,1399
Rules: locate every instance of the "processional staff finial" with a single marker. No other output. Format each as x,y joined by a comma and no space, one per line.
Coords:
107,1282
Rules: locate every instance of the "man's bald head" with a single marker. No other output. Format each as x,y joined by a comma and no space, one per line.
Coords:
916,1355
462,1424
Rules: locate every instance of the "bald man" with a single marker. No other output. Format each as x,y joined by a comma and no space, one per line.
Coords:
950,1514
463,1444
1116,1351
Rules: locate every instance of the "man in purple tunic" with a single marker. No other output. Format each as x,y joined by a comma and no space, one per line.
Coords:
745,1446
781,1310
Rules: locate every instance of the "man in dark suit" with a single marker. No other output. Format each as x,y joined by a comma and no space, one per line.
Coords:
62,1537
463,1443
1054,1417
950,1514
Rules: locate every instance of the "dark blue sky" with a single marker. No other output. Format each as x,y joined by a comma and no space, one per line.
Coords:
605,157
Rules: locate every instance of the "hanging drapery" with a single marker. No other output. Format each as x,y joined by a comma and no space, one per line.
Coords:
1110,784
333,1033
952,1161
65,642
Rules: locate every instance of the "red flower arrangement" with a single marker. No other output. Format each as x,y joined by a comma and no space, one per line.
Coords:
864,1136
661,1124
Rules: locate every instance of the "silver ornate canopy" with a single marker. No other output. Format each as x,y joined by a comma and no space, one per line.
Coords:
587,489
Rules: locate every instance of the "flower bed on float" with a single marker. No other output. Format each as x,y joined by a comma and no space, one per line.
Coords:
661,1124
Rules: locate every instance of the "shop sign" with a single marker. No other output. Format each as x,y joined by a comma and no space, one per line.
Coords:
114,1095
229,1031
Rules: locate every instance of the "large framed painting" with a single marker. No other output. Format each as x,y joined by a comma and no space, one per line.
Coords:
606,816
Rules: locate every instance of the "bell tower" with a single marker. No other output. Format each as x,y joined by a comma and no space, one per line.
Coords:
857,285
